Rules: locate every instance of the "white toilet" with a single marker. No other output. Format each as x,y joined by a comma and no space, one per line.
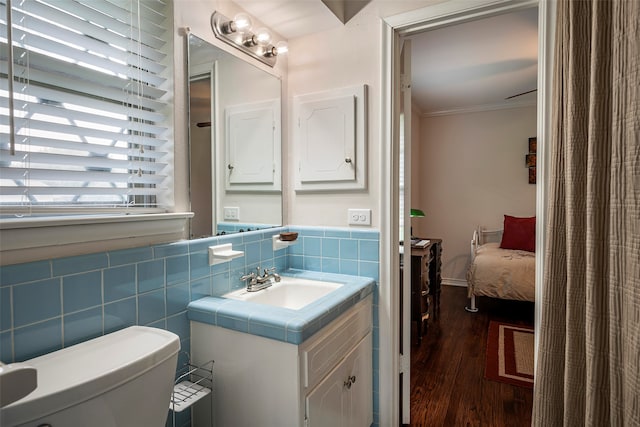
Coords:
117,380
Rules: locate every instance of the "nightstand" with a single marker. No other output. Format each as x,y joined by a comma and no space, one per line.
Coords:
426,280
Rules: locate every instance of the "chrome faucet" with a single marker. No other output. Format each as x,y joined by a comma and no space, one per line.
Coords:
256,281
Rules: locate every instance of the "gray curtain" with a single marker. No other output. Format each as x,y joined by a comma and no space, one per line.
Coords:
588,371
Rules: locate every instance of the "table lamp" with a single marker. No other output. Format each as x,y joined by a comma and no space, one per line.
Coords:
415,213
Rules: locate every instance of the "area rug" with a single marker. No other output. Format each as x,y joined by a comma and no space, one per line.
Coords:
510,354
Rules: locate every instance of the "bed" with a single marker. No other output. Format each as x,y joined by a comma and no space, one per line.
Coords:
500,272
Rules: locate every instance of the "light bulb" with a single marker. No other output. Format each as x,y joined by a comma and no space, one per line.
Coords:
282,47
262,37
242,22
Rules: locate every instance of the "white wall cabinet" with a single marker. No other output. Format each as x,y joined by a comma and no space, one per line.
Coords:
330,139
325,381
327,140
252,136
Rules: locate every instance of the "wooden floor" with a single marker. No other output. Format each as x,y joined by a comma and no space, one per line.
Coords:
447,369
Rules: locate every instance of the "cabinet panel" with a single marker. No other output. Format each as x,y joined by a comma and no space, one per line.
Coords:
322,354
343,398
252,146
359,402
327,140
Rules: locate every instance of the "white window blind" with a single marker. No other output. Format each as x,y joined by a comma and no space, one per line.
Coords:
90,121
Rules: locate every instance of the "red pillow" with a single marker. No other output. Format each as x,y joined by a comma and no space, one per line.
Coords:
519,233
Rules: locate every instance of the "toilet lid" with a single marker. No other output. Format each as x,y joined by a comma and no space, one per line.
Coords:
74,374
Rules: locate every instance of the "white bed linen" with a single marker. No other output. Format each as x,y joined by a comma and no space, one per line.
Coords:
502,273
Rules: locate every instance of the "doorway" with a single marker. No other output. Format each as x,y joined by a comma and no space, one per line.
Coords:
405,25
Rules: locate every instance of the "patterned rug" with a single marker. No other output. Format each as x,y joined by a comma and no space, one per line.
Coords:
510,354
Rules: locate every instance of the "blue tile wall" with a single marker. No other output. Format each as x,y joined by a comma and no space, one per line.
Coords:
48,305
51,304
235,227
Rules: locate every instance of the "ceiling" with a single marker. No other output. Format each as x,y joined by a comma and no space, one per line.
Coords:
476,64
470,66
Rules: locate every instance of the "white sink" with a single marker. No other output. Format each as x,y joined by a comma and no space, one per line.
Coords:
290,292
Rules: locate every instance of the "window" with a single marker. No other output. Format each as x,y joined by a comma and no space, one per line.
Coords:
89,128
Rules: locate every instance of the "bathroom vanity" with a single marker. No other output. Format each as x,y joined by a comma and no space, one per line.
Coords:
325,379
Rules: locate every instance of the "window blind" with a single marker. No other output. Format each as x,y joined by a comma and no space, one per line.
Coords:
90,119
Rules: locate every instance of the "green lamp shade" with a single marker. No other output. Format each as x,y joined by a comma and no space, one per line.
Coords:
417,213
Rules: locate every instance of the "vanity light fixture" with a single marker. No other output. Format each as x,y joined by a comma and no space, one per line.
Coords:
237,32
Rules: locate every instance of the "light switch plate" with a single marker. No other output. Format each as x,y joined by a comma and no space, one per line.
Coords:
359,216
231,213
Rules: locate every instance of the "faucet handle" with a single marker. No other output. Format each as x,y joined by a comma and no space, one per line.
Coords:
250,276
271,272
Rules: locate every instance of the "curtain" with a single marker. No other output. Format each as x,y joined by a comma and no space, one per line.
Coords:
588,371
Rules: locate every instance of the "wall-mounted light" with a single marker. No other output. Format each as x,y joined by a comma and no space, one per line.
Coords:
237,32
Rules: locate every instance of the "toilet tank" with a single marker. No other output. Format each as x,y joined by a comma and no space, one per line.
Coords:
124,378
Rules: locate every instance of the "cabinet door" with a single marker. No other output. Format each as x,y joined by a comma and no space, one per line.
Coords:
327,140
359,399
252,146
344,397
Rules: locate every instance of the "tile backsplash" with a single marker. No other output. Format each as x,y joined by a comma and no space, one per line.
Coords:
51,304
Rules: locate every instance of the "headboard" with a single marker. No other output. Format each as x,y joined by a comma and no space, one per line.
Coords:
482,236
487,236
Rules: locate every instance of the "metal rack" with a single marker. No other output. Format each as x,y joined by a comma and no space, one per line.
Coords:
192,383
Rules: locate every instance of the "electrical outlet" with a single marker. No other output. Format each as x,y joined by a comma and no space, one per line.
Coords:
359,216
231,213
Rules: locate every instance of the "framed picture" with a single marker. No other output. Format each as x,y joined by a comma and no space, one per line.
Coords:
533,144
530,160
532,175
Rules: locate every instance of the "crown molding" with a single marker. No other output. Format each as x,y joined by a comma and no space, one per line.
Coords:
481,108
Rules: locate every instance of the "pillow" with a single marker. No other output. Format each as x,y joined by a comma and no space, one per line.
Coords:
519,233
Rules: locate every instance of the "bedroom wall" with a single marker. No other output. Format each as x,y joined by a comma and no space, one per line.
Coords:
472,172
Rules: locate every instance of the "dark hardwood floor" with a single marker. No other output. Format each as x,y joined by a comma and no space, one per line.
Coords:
448,387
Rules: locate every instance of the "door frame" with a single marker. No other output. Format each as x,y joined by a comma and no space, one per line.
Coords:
392,29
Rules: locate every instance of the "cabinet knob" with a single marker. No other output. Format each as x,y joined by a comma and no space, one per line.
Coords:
230,166
347,160
350,381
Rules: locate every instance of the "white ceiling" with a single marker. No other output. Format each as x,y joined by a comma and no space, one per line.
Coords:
474,65
292,18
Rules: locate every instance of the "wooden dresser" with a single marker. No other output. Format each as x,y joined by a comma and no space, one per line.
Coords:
426,281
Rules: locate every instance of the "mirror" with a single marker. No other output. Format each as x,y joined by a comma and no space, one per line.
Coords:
234,143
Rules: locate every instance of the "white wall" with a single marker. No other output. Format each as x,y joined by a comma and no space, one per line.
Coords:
471,173
348,55
345,56
330,60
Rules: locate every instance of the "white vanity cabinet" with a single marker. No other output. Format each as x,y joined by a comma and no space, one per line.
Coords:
325,381
343,398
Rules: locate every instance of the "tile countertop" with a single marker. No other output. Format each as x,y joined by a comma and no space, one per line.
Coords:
284,324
